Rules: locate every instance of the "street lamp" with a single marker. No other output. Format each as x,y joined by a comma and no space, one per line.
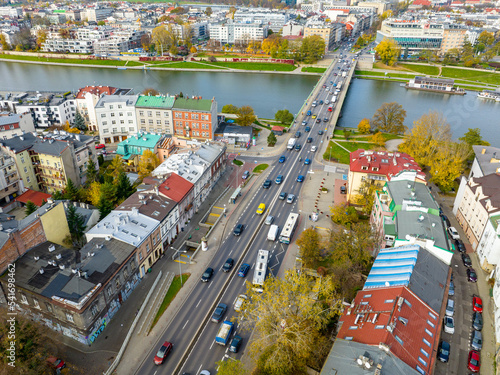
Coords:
180,264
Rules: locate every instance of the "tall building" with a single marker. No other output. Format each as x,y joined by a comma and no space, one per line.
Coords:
47,109
331,33
10,184
13,124
116,119
195,118
229,32
154,114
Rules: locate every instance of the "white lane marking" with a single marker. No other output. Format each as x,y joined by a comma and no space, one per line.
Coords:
231,251
185,324
198,303
209,285
199,369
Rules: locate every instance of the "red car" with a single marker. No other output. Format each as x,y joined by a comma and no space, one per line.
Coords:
474,362
477,304
162,354
56,363
100,146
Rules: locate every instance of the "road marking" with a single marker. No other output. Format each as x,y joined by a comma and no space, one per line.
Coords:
209,285
185,324
231,251
200,368
198,303
239,238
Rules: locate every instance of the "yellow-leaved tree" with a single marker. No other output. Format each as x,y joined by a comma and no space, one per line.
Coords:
148,162
388,50
94,193
364,126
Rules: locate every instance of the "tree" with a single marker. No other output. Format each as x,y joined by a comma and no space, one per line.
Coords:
271,139
284,116
231,367
309,246
147,163
94,193
390,118
311,50
365,196
116,167
76,224
146,41
79,121
41,37
92,172
378,139
245,116
288,318
486,38
364,126
344,215
30,208
71,191
388,50
150,91
347,134
473,138
229,108
448,164
193,49
124,188
105,207
208,11
3,42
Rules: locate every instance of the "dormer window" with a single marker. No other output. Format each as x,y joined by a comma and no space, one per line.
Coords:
364,168
375,169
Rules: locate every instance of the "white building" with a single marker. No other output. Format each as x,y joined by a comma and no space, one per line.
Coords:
14,124
276,19
231,33
11,12
97,14
47,109
59,44
116,119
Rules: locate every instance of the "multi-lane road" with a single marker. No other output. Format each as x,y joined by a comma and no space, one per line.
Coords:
194,315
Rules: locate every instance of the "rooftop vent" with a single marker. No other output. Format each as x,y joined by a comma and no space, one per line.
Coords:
52,248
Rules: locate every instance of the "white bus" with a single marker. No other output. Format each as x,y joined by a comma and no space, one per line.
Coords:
259,275
289,228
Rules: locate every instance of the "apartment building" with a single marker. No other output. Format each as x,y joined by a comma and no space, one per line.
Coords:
331,33
454,36
275,18
229,32
47,109
120,41
154,114
66,45
97,14
14,124
195,118
10,184
116,119
45,163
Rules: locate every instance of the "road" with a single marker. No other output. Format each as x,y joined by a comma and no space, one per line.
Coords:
197,308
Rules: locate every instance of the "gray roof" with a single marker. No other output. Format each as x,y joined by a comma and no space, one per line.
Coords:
429,278
10,119
129,99
9,224
399,191
407,223
344,353
209,152
234,129
484,160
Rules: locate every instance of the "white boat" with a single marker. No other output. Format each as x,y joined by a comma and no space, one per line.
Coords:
487,94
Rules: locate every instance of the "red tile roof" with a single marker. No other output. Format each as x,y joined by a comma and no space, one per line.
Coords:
421,2
175,187
383,163
37,197
408,319
277,128
96,90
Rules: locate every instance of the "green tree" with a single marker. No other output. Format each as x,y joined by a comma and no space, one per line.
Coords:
486,38
388,50
71,191
284,116
76,224
364,126
473,138
79,121
309,248
229,108
344,215
92,172
230,367
390,118
105,207
124,188
246,116
312,49
116,167
271,139
30,208
288,318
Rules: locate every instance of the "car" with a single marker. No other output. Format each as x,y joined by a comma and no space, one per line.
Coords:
343,190
325,119
239,302
279,179
327,101
228,264
321,102
318,120
269,220
309,140
267,184
450,307
205,372
471,275
451,289
163,352
449,325
466,260
243,270
446,220
99,146
459,245
304,123
314,148
320,132
56,363
238,229
300,178
474,361
298,147
477,321
314,116
282,159
444,351
308,129
282,196
324,86
308,113
219,312
207,275
453,233
235,344
307,161
245,175
290,199
477,304
476,340
260,209
298,134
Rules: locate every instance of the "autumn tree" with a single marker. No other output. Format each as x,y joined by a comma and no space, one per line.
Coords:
3,41
146,41
388,50
311,50
116,167
92,172
30,208
365,196
309,247
473,138
94,193
448,164
208,11
147,163
288,319
41,37
193,49
378,139
230,367
150,91
229,108
284,116
76,224
343,214
364,126
390,118
245,116
486,38
271,139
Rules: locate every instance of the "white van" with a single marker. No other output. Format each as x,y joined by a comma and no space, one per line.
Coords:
272,235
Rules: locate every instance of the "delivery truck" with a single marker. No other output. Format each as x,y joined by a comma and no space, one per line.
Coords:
291,143
272,235
224,332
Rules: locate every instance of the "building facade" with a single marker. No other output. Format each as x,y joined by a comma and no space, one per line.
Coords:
116,119
195,118
154,114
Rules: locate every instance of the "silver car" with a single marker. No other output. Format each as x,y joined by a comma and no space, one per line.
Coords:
269,220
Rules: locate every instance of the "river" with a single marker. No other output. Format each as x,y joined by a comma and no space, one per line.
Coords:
266,93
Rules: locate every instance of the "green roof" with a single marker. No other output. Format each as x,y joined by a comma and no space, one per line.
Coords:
155,101
495,221
193,104
136,145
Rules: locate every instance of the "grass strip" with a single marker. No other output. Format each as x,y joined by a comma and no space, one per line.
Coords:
169,297
260,168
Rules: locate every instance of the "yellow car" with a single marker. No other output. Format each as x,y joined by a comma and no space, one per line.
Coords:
261,209
313,116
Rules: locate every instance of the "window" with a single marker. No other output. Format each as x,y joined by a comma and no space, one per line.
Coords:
398,339
49,307
25,170
424,352
432,315
422,361
147,247
117,281
110,107
380,327
150,113
120,114
22,160
389,301
407,302
141,113
28,180
140,256
103,115
69,317
353,327
143,121
430,323
119,106
104,123
112,114
94,310
158,113
429,332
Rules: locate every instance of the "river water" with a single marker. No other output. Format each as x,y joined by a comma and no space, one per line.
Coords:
266,93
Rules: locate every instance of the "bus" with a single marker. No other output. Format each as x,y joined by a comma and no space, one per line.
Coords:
259,275
289,228
339,86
